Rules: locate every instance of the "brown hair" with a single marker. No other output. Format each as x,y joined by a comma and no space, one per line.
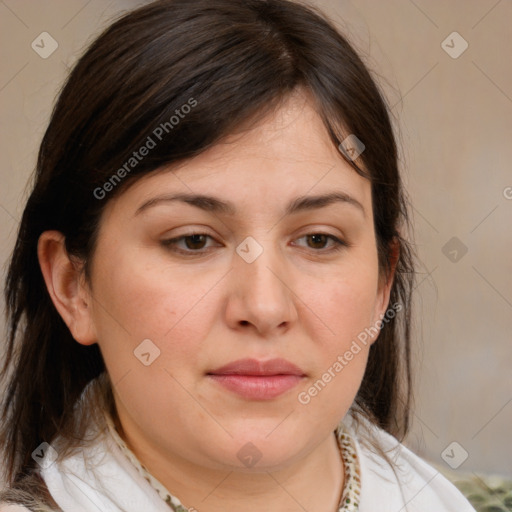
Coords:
230,61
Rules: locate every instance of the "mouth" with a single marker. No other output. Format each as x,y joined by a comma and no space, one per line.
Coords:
258,380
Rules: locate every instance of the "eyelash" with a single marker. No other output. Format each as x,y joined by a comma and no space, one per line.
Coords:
171,244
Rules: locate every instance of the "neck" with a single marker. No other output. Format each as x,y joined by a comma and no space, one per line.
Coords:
313,483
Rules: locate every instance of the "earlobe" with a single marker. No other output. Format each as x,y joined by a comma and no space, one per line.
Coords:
64,284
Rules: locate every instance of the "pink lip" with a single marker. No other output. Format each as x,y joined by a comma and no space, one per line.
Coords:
258,380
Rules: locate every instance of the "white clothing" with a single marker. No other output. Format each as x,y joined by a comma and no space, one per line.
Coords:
100,477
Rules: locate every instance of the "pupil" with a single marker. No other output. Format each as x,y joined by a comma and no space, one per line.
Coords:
195,240
316,237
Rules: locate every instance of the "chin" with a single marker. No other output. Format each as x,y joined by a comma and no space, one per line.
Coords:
257,451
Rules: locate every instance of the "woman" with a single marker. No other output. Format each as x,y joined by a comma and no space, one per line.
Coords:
210,272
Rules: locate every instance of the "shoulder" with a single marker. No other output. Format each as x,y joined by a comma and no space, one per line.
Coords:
33,507
29,494
394,475
5,507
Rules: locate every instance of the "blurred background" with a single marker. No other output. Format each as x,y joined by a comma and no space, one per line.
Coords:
446,71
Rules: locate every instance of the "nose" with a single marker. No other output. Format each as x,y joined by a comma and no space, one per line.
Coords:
261,293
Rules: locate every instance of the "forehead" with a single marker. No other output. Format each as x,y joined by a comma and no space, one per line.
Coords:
285,155
293,132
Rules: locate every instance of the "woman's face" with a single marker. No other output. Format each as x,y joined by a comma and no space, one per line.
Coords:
265,279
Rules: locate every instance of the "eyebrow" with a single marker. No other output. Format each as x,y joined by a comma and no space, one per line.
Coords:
218,206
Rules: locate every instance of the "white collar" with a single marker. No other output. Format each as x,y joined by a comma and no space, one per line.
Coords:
100,479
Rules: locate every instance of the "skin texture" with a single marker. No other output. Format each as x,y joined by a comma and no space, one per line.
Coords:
299,300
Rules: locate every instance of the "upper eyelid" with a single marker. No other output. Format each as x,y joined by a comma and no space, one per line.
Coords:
334,238
204,233
310,230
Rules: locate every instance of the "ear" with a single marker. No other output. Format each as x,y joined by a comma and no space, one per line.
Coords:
385,285
66,286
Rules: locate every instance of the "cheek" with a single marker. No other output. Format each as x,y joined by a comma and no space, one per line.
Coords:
136,300
341,341
350,315
346,305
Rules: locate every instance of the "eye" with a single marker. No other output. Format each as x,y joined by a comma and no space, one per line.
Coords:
194,243
320,239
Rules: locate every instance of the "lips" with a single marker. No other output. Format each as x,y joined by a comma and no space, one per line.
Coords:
254,367
257,380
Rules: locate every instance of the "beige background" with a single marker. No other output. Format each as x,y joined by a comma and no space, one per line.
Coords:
455,122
